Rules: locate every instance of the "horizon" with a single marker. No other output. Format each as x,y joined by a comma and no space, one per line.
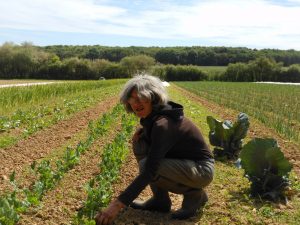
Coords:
256,24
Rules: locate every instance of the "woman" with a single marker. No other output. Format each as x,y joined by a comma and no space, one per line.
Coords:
170,150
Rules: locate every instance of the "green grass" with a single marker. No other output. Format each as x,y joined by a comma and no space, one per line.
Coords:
277,106
213,68
213,71
229,201
32,117
20,97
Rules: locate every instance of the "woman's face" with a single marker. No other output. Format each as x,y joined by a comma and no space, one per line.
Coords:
141,107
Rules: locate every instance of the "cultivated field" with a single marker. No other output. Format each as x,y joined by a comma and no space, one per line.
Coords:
65,152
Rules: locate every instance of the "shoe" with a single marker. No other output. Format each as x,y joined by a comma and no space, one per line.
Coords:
160,202
192,202
153,204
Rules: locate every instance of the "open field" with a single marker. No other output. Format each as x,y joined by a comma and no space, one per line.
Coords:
213,68
83,155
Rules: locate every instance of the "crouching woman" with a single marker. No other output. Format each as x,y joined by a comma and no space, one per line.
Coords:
170,150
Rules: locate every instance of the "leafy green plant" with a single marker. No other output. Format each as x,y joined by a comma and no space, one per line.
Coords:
267,169
11,206
227,137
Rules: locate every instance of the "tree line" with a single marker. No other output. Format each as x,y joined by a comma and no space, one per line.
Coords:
197,55
89,62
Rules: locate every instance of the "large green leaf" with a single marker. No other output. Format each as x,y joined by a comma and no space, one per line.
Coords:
266,167
278,162
227,137
253,154
241,127
219,130
261,154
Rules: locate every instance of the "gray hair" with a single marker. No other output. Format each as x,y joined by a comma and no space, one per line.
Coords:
148,87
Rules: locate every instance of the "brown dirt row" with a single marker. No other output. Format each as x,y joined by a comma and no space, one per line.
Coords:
257,129
60,205
20,156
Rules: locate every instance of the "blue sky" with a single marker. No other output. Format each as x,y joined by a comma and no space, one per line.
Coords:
233,23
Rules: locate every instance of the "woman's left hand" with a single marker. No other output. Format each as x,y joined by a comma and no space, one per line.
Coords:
108,215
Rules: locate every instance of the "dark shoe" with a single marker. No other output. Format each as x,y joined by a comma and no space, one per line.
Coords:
192,202
152,204
182,214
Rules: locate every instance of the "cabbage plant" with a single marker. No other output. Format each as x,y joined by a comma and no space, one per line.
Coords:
226,136
266,168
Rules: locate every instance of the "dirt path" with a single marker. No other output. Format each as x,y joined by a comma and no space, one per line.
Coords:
43,142
257,129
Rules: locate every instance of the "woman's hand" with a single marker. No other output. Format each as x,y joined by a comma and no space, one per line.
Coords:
108,215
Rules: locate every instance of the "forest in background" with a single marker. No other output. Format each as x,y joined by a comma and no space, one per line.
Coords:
169,63
200,56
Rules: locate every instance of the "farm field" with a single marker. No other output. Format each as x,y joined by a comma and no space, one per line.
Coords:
78,158
277,106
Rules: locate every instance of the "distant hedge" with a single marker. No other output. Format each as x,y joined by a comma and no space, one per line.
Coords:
180,73
261,69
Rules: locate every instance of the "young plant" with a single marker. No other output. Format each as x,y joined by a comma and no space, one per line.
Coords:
267,169
227,137
11,206
99,189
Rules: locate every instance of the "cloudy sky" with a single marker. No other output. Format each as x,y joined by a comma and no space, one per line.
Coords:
233,23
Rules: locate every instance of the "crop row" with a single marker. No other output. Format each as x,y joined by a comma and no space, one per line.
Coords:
32,119
15,97
49,174
99,189
274,105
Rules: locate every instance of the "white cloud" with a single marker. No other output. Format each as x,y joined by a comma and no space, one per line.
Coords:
55,15
256,22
